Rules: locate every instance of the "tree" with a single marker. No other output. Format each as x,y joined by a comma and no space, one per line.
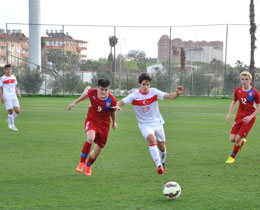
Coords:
253,38
112,42
31,80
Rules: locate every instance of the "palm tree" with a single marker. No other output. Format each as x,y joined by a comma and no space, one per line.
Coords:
252,34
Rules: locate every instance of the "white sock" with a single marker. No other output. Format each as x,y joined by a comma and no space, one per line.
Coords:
10,119
154,151
15,115
162,155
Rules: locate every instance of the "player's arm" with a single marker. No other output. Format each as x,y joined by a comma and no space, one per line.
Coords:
17,91
178,92
113,117
81,98
119,105
2,95
231,108
247,119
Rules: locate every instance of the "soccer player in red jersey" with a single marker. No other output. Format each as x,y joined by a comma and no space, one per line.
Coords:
97,123
248,98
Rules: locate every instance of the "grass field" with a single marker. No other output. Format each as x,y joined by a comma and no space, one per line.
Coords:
37,163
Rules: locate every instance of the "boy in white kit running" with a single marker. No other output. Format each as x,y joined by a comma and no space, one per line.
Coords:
150,121
8,93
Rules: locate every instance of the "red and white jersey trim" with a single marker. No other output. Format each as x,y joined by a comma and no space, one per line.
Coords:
8,83
146,105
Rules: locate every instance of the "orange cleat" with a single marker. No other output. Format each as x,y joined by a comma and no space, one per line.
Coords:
88,171
160,170
164,168
80,167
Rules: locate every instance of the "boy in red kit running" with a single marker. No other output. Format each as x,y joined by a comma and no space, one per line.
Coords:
248,97
97,123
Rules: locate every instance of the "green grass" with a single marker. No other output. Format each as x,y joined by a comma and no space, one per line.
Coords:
37,164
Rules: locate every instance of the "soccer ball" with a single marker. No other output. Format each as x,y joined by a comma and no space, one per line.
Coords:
172,190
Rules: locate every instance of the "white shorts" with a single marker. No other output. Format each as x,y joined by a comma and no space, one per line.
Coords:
152,128
11,103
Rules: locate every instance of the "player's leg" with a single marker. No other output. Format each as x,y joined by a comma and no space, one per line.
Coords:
10,119
100,142
233,138
16,112
161,144
154,151
92,158
90,133
9,107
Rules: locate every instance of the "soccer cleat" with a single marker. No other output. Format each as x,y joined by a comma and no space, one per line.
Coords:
241,147
14,128
164,168
160,170
88,171
230,160
80,167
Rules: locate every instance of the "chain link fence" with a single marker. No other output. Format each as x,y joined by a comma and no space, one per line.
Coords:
205,59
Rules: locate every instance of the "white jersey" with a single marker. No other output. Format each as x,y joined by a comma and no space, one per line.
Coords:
8,84
146,105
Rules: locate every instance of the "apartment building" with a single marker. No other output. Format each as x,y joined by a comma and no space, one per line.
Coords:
200,51
54,41
18,47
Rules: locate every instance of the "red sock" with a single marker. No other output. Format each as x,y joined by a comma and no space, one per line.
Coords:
235,150
90,161
85,151
242,142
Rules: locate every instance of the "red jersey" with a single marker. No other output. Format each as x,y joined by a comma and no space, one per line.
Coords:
99,110
247,100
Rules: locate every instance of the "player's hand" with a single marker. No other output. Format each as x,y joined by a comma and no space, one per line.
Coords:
117,108
247,119
179,90
3,99
19,95
114,125
228,118
70,106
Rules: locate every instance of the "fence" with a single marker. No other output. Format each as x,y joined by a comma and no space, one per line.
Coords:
205,59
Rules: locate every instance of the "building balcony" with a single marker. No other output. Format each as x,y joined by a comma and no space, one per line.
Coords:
2,53
25,55
83,56
2,44
54,47
26,46
81,48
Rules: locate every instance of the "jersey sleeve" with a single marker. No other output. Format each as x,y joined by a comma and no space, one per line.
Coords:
235,96
15,80
1,82
129,99
257,97
113,103
90,91
160,94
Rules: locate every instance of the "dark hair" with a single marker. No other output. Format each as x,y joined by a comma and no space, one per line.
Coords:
8,65
143,77
103,83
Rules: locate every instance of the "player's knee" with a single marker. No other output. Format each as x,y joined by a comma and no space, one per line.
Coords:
90,140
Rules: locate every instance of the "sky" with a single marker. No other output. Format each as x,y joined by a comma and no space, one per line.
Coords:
121,13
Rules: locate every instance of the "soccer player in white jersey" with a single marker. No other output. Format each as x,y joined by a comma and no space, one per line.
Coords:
9,93
150,121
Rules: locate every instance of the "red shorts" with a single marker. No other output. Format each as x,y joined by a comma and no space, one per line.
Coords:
101,131
241,128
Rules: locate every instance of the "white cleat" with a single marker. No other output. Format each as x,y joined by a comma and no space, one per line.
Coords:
13,128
